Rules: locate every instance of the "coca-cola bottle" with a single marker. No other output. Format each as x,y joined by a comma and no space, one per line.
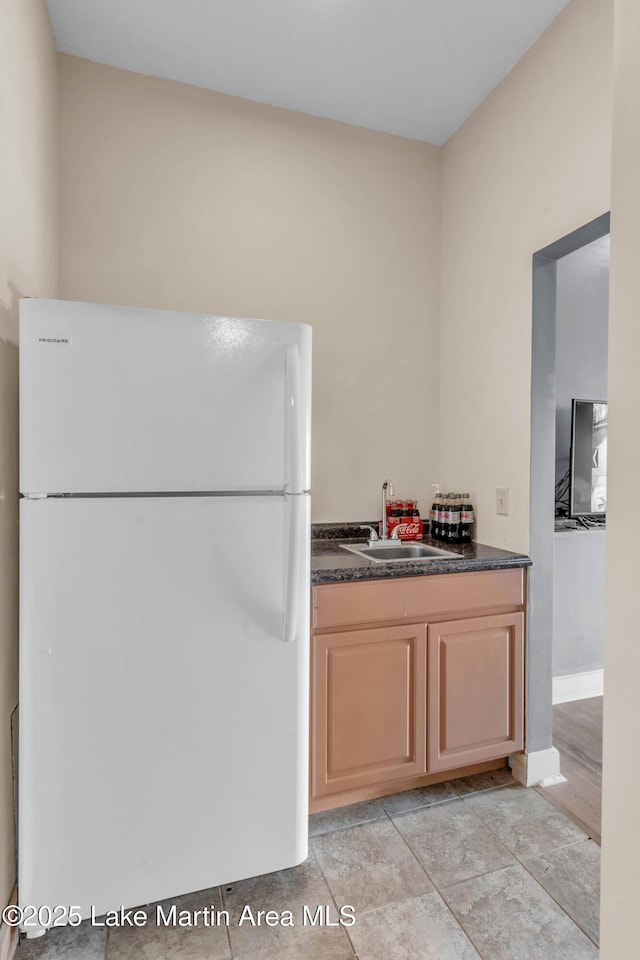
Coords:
395,515
466,519
454,519
435,515
417,520
445,517
408,529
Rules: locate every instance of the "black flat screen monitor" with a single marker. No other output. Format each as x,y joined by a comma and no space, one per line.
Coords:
588,476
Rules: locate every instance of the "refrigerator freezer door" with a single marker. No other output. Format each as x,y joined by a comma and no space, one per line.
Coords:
163,720
120,400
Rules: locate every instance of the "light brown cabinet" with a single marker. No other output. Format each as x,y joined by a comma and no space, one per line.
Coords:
369,724
412,677
474,690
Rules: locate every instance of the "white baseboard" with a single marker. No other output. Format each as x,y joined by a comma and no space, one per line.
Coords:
578,686
541,768
8,935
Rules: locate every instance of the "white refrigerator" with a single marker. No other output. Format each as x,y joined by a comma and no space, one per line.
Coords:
164,584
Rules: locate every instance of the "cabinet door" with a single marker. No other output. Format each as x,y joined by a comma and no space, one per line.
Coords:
475,690
368,713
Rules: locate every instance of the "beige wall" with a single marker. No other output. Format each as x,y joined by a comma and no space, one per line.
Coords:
620,818
530,165
181,198
28,267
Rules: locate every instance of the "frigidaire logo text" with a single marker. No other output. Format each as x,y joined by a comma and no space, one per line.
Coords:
53,340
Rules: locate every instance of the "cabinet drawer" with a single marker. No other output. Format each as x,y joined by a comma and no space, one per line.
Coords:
415,598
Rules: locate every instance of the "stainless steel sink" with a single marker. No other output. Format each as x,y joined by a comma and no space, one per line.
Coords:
399,553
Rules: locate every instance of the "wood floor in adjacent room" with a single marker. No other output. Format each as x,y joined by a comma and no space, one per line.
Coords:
577,734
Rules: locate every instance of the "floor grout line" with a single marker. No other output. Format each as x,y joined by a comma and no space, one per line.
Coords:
459,922
436,889
477,876
557,902
331,894
411,851
544,890
439,889
422,806
563,846
346,826
223,905
536,855
539,856
492,832
386,906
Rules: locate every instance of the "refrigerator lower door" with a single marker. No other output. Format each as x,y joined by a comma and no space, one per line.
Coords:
163,719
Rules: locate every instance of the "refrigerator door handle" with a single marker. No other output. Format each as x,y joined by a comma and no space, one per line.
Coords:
294,565
294,420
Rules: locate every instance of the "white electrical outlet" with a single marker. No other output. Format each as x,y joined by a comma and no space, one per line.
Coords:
502,501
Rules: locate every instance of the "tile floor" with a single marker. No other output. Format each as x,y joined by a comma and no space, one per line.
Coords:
474,868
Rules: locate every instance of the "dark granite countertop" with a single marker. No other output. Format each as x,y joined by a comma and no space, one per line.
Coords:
331,564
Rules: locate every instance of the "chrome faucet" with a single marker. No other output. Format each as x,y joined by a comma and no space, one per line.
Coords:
387,487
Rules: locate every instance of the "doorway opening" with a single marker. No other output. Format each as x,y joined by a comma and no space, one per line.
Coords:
566,602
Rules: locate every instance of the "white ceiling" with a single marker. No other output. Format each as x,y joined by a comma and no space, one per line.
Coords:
417,68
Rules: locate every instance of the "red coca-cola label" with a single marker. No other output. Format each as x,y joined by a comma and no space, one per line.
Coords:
408,530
